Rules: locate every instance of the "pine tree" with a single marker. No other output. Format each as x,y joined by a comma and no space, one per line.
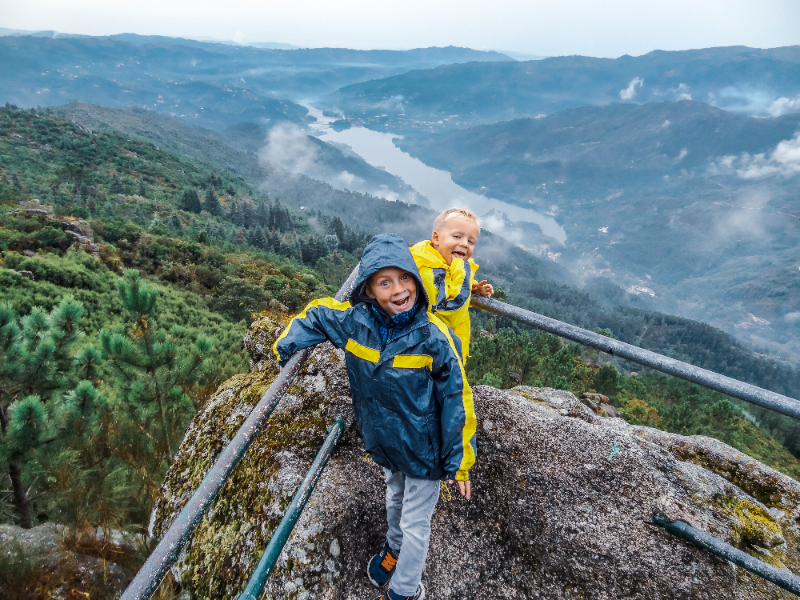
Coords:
248,214
153,367
190,201
262,213
313,249
37,366
236,214
255,237
212,204
279,218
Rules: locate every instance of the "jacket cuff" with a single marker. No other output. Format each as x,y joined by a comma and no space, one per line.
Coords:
462,475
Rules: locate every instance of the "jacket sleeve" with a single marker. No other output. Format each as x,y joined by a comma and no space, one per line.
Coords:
454,396
323,319
473,279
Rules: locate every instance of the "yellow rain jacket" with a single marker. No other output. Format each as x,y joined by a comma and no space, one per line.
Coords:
449,288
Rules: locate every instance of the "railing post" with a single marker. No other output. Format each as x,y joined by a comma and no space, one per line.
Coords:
281,534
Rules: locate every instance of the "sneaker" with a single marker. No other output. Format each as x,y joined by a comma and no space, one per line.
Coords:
390,595
381,567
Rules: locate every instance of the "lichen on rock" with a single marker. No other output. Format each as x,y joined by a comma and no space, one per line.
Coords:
563,499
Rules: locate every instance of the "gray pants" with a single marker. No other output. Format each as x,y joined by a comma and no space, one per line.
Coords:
409,508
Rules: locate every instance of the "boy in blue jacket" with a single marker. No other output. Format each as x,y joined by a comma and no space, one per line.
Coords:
411,399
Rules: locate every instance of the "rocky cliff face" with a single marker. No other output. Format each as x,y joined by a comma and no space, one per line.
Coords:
562,501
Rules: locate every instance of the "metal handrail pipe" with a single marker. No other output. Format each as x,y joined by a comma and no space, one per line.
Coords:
177,536
782,578
281,534
732,387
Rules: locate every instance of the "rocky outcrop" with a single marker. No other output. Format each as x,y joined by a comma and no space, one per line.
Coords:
563,499
78,230
599,404
57,563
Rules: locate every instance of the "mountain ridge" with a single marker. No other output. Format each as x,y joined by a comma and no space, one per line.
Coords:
740,79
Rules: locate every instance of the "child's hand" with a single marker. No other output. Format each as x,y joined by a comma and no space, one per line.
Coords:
464,487
482,288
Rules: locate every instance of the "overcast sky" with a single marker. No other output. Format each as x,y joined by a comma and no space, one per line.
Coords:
555,27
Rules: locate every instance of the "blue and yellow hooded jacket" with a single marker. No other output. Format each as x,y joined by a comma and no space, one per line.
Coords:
449,288
411,399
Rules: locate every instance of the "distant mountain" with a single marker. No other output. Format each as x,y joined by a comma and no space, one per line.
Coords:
738,79
596,148
272,45
171,78
694,204
210,84
250,151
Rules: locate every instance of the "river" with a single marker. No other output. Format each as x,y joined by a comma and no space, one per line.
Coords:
377,149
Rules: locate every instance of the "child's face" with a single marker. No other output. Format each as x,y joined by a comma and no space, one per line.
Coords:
456,239
394,289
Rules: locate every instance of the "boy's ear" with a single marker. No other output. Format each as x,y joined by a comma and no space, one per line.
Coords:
368,289
435,238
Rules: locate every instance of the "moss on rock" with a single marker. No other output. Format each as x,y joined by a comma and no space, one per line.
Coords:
562,504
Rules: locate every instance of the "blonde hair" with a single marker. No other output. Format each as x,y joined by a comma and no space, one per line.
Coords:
451,213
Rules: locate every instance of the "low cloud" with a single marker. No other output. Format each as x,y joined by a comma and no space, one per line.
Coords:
395,103
792,317
289,147
682,155
743,100
682,91
629,92
744,216
783,160
783,106
348,179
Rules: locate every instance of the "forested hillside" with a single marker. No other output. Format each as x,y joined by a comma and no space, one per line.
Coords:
111,338
548,286
128,276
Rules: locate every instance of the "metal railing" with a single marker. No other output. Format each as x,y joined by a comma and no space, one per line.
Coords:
715,381
744,391
780,577
169,548
172,543
281,534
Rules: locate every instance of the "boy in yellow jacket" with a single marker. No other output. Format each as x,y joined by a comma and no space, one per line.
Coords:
448,271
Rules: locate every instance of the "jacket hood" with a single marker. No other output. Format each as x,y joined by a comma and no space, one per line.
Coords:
386,250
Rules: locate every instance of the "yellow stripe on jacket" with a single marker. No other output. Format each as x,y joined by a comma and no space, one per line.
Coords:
470,421
449,289
324,302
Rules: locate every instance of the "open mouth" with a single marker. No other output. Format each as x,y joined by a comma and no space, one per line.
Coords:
459,254
403,303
